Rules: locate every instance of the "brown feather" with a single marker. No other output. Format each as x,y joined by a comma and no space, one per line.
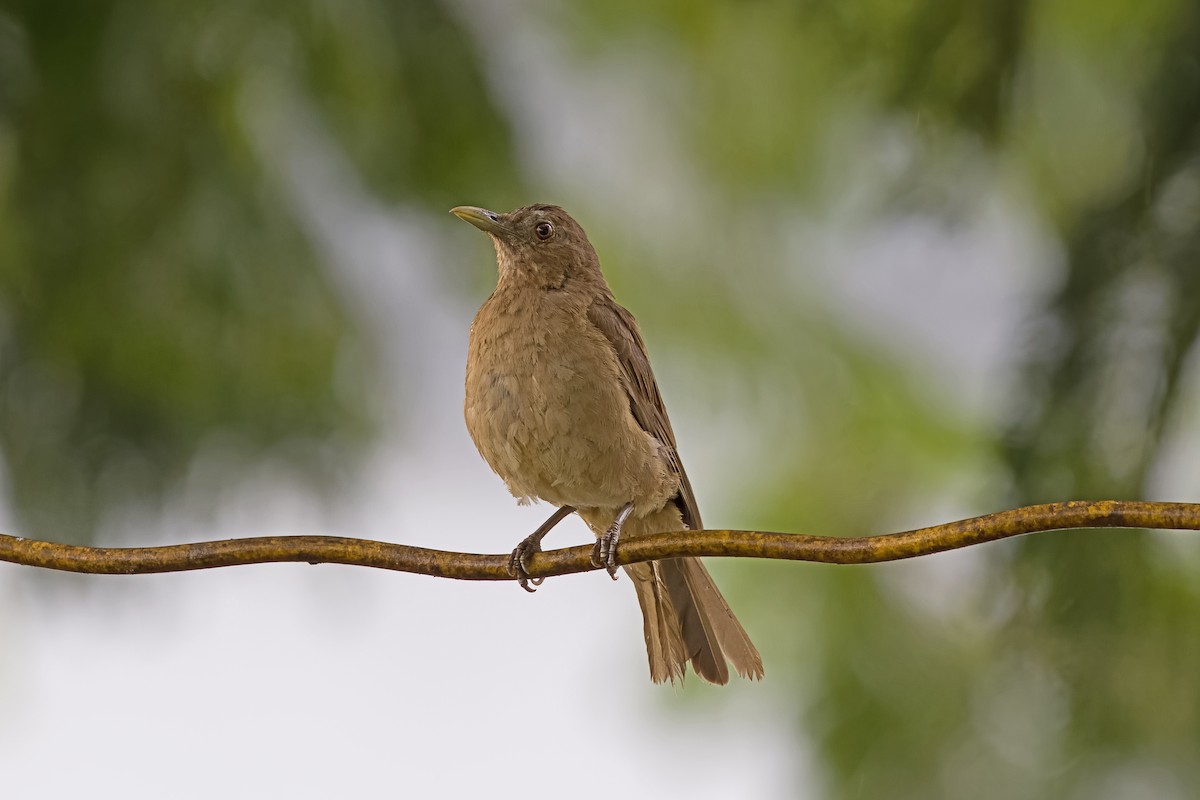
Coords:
621,329
710,631
664,646
562,404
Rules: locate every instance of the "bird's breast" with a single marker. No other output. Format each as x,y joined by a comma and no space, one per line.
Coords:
547,408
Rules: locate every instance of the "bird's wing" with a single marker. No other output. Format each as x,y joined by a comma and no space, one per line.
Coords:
620,328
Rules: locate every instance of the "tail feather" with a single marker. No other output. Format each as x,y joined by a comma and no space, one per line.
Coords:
717,620
701,643
711,632
664,644
687,619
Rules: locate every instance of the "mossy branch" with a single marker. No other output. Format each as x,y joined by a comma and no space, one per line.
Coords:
476,567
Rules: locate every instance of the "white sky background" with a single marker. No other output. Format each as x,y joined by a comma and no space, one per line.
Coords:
302,681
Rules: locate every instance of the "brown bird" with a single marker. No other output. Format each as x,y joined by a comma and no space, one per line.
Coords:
561,403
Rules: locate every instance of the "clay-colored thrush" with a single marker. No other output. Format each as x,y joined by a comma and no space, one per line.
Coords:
562,404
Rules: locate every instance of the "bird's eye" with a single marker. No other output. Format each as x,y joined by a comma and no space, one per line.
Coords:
544,230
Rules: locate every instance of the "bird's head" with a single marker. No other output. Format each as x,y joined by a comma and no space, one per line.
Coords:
541,244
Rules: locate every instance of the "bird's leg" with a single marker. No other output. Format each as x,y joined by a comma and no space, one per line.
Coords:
604,554
533,544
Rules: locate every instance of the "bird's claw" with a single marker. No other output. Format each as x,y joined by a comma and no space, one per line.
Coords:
516,563
604,552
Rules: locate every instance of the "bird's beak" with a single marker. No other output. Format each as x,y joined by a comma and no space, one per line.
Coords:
486,221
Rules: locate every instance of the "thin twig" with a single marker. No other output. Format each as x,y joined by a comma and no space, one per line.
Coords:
476,567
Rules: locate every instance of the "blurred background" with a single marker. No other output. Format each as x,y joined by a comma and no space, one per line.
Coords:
896,264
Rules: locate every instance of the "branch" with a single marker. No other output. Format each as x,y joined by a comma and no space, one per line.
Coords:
476,567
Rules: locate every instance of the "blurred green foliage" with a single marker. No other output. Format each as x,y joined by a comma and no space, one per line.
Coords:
156,286
1067,665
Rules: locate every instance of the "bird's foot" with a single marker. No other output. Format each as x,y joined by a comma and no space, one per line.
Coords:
517,562
604,554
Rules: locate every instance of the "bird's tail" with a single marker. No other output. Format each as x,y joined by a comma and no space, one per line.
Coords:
687,619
